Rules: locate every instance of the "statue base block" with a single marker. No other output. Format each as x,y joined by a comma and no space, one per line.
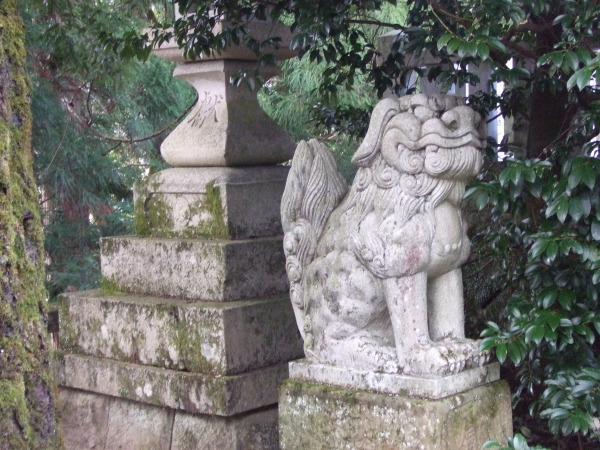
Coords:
326,417
389,383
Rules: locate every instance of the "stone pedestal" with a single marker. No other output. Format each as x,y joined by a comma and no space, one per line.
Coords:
188,341
339,408
328,417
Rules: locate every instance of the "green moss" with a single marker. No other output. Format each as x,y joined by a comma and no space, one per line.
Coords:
27,418
109,287
154,215
13,401
69,331
216,227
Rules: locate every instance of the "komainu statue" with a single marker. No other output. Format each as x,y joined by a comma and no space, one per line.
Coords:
374,268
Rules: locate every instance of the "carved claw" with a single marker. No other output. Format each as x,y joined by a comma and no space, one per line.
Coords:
434,359
470,349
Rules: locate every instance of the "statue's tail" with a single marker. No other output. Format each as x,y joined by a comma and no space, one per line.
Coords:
314,188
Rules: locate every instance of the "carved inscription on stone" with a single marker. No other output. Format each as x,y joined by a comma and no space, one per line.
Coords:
206,107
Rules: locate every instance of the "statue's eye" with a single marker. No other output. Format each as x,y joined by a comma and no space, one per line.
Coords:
451,119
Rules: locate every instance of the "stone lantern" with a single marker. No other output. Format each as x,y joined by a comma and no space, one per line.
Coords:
190,337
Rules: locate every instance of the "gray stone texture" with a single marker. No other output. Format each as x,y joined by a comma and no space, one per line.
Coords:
185,391
93,421
315,416
195,269
395,384
255,430
226,127
180,202
220,338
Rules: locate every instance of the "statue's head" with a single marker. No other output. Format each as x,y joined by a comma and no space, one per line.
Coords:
437,135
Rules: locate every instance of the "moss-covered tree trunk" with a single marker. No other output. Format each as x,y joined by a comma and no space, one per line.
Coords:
27,418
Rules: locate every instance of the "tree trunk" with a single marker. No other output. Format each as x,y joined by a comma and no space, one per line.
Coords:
549,119
27,417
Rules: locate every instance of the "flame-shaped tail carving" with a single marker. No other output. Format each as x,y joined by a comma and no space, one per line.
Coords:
313,189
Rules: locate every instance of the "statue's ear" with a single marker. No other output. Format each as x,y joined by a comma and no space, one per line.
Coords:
383,112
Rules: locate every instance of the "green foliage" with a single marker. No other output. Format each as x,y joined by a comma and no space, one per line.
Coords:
540,186
518,442
99,123
553,316
293,100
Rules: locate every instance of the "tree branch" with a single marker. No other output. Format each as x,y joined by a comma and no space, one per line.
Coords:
520,50
88,125
395,26
435,6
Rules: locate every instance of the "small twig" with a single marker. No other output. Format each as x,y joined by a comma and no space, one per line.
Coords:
110,150
395,26
62,139
494,118
88,125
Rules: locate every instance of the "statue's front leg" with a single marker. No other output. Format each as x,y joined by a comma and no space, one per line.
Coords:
445,304
446,317
406,298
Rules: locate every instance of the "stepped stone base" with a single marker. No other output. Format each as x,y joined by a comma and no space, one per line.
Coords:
186,391
195,269
93,421
219,338
325,417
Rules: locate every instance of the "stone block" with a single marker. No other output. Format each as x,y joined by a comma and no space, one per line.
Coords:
194,269
211,202
395,384
190,392
83,419
325,417
91,421
221,338
94,421
254,430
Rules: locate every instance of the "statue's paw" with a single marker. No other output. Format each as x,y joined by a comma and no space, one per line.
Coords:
471,352
479,359
434,359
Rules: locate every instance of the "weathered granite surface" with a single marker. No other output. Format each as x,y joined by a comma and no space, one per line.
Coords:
318,416
219,338
432,387
227,127
211,202
254,430
216,270
185,391
374,269
94,421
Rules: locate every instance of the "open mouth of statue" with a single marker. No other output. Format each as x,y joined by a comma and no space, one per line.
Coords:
468,137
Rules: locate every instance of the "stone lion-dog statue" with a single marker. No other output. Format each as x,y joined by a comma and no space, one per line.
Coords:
374,269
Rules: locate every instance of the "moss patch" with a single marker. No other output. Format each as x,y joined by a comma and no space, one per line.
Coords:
27,417
109,287
154,215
